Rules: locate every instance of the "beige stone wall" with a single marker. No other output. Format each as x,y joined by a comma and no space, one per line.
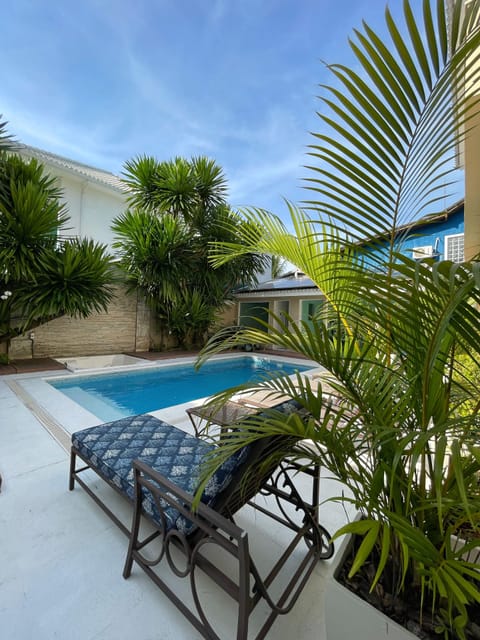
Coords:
126,327
229,316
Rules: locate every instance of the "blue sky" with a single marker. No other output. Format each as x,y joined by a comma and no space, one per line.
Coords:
102,81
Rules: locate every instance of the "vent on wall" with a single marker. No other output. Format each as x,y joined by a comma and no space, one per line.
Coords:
422,252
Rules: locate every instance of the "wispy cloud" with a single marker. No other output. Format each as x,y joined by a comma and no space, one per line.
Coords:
256,185
102,82
89,145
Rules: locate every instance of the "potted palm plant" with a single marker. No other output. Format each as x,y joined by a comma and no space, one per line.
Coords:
399,340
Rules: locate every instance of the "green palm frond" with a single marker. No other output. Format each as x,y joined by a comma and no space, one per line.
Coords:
398,417
7,142
321,255
140,175
176,188
31,215
179,208
390,134
74,280
15,170
45,276
211,183
186,188
155,252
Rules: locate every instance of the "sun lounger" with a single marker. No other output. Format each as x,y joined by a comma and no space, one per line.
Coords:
157,467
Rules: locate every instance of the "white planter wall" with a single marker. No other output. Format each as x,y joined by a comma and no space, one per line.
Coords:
349,617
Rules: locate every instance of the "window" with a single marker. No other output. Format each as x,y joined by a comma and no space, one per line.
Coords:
454,248
253,315
310,310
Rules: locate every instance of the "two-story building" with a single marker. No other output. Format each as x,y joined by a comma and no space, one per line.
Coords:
93,199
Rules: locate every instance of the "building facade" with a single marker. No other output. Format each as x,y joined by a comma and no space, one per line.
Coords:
93,197
438,237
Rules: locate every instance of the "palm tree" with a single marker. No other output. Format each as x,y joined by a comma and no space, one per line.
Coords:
43,277
6,141
178,209
400,427
190,190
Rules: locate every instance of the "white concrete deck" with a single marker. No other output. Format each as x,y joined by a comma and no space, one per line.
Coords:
61,558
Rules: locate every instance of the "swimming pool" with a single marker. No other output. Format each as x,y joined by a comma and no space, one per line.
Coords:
114,395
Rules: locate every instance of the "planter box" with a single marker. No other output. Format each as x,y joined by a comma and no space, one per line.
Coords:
348,616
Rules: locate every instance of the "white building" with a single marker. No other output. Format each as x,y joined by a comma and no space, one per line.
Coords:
93,197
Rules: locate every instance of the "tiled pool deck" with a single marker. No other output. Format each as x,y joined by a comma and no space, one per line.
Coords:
61,558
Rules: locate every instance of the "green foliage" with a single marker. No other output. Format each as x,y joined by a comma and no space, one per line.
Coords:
157,253
6,141
467,377
41,276
65,281
396,415
178,211
30,216
189,189
385,153
189,318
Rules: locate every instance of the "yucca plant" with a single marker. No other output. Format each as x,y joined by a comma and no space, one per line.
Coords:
398,421
178,208
43,276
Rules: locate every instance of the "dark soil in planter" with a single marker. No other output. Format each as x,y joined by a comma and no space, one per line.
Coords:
404,609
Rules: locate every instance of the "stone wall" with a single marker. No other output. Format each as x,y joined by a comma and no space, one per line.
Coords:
128,326
229,317
125,327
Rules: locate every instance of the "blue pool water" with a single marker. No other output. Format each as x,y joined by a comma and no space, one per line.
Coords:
115,395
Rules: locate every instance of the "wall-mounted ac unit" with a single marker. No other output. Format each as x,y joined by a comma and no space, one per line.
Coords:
422,252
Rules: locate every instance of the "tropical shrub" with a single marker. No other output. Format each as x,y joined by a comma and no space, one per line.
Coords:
177,209
398,421
43,276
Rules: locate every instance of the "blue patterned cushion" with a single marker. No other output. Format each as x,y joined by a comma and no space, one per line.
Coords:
111,448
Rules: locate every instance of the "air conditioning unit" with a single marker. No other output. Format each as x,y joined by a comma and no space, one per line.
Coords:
422,252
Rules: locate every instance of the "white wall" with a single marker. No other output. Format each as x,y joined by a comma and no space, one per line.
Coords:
91,206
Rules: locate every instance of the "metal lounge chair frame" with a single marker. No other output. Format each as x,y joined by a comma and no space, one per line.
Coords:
214,525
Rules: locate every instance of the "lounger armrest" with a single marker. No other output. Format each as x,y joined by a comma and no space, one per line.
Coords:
209,527
201,516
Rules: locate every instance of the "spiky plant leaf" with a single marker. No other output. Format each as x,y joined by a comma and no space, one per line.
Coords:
387,424
389,139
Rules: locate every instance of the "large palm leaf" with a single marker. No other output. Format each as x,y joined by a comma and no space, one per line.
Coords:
31,215
388,337
182,188
74,279
156,253
384,156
